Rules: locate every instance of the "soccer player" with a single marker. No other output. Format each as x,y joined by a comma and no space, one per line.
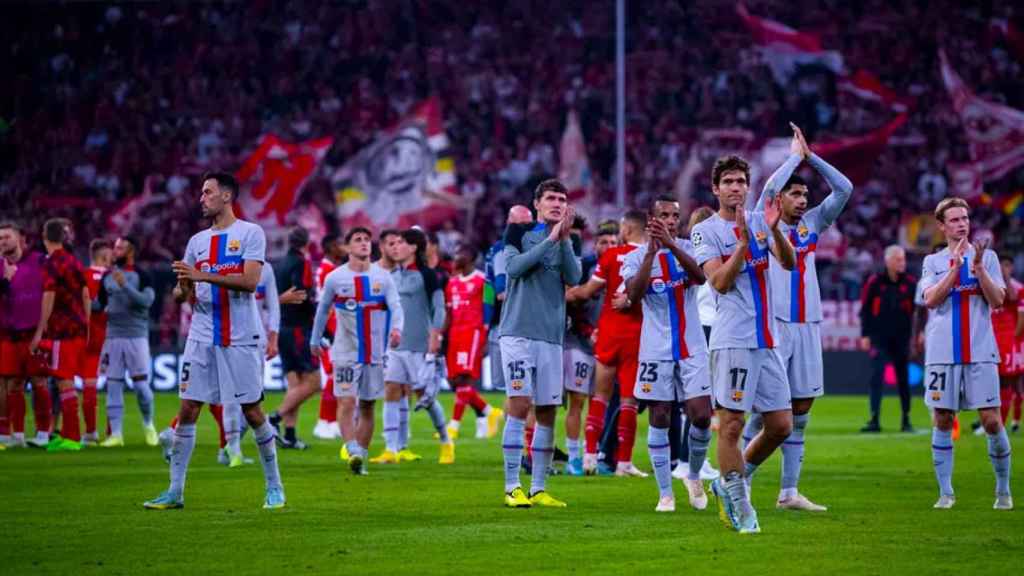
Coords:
64,321
370,318
100,254
327,425
497,280
302,371
673,354
578,357
797,302
223,355
540,262
126,295
269,303
1006,323
746,373
962,284
617,348
21,294
465,326
679,429
411,365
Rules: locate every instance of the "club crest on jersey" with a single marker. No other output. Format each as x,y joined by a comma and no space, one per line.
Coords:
234,245
936,396
803,232
376,288
737,395
517,385
760,237
645,388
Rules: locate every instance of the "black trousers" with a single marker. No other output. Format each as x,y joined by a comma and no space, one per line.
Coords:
898,353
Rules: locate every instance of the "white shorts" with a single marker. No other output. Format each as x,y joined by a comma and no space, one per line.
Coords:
533,368
673,381
579,371
404,367
125,355
221,374
800,352
749,379
961,386
361,381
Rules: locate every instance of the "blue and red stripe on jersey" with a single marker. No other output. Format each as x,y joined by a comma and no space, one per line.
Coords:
966,286
676,281
756,269
797,277
223,264
363,304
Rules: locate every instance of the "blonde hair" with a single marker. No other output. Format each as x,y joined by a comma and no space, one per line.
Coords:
946,204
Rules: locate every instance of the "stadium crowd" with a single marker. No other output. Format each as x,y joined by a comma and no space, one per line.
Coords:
107,102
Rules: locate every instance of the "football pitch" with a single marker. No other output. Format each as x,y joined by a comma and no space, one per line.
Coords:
82,513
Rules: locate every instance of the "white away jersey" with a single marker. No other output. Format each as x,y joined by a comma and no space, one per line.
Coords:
796,292
220,316
960,330
671,328
367,306
744,317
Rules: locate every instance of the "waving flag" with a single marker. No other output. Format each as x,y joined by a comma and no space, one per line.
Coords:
272,176
405,177
786,49
995,133
866,85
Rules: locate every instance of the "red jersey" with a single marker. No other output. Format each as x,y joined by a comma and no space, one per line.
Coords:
1004,318
63,275
464,300
97,320
608,270
325,268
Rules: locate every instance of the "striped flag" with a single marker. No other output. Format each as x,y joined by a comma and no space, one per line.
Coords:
405,177
786,49
995,133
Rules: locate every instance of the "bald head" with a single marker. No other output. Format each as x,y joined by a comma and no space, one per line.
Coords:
520,214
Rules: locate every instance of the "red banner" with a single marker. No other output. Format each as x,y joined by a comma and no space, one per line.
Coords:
272,176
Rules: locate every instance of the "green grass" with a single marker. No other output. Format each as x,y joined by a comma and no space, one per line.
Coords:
81,513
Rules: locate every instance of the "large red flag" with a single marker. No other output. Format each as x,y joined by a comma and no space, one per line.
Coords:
272,176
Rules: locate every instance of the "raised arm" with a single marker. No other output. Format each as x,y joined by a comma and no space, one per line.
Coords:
840,186
778,179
